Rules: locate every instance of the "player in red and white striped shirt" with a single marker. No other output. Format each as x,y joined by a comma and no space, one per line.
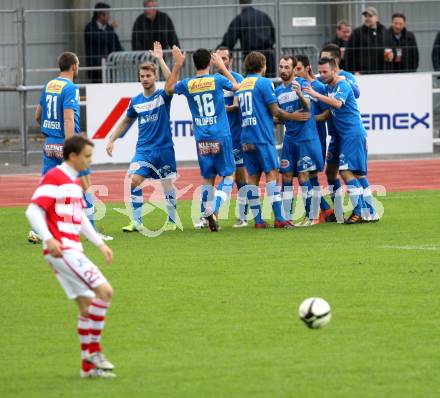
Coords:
57,214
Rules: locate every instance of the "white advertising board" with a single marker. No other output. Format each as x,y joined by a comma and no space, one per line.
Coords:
396,111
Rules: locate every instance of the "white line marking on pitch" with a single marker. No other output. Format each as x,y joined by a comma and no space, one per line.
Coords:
429,248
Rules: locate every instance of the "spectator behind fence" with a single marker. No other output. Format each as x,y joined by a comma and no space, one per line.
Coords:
366,49
436,53
343,32
255,31
404,45
153,25
101,39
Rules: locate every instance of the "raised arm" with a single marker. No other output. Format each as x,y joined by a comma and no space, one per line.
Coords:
179,59
157,53
305,102
219,64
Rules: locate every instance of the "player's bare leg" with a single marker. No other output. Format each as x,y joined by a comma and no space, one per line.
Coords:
241,182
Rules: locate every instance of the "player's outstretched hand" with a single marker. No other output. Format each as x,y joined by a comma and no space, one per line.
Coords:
107,253
178,56
54,247
217,61
301,116
157,50
109,148
309,90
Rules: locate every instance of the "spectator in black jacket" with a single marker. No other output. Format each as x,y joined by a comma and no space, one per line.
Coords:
153,25
404,45
365,52
255,31
436,53
343,32
101,39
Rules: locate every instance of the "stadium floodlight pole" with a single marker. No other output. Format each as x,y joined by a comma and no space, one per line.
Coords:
22,95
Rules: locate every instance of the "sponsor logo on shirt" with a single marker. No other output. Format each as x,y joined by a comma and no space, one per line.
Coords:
201,85
150,105
287,97
55,86
248,84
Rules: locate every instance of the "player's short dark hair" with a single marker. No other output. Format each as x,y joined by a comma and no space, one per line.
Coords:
330,61
224,48
100,8
254,62
333,49
288,57
75,145
201,58
66,60
304,59
398,15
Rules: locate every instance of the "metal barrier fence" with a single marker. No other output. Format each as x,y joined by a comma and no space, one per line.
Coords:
32,40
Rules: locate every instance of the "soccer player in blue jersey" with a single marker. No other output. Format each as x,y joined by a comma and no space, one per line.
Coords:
204,93
333,51
58,114
235,127
351,132
303,69
301,154
154,157
258,105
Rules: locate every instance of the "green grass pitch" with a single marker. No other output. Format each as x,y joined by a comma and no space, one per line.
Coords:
197,314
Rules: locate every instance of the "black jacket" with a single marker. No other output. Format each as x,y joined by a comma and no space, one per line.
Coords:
253,28
100,43
146,32
365,50
436,53
409,52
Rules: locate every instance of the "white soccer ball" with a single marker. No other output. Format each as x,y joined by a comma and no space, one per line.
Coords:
315,312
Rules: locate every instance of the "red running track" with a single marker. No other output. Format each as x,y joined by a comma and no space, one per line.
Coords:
400,175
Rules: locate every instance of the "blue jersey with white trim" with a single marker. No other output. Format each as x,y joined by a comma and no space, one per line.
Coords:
319,107
347,119
58,94
256,93
289,101
207,104
153,114
234,117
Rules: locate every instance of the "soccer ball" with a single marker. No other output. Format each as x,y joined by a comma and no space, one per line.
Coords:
315,312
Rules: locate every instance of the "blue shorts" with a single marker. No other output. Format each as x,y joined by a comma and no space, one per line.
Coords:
156,164
216,157
238,157
333,150
260,158
52,154
302,156
353,154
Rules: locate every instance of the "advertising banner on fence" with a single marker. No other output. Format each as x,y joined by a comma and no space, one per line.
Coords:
396,111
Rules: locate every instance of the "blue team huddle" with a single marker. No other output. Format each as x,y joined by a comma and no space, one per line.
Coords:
234,119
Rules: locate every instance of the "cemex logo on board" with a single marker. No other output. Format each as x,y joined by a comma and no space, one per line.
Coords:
395,121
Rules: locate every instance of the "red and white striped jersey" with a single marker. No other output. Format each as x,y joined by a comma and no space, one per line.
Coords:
61,197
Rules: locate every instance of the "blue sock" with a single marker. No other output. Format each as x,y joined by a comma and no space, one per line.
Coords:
254,203
136,201
88,198
317,189
273,193
242,201
208,196
368,198
306,190
223,191
287,198
355,194
171,204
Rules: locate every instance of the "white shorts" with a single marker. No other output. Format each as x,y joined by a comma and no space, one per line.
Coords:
76,273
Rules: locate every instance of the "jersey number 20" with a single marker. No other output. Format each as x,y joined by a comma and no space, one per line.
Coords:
51,102
245,101
205,102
